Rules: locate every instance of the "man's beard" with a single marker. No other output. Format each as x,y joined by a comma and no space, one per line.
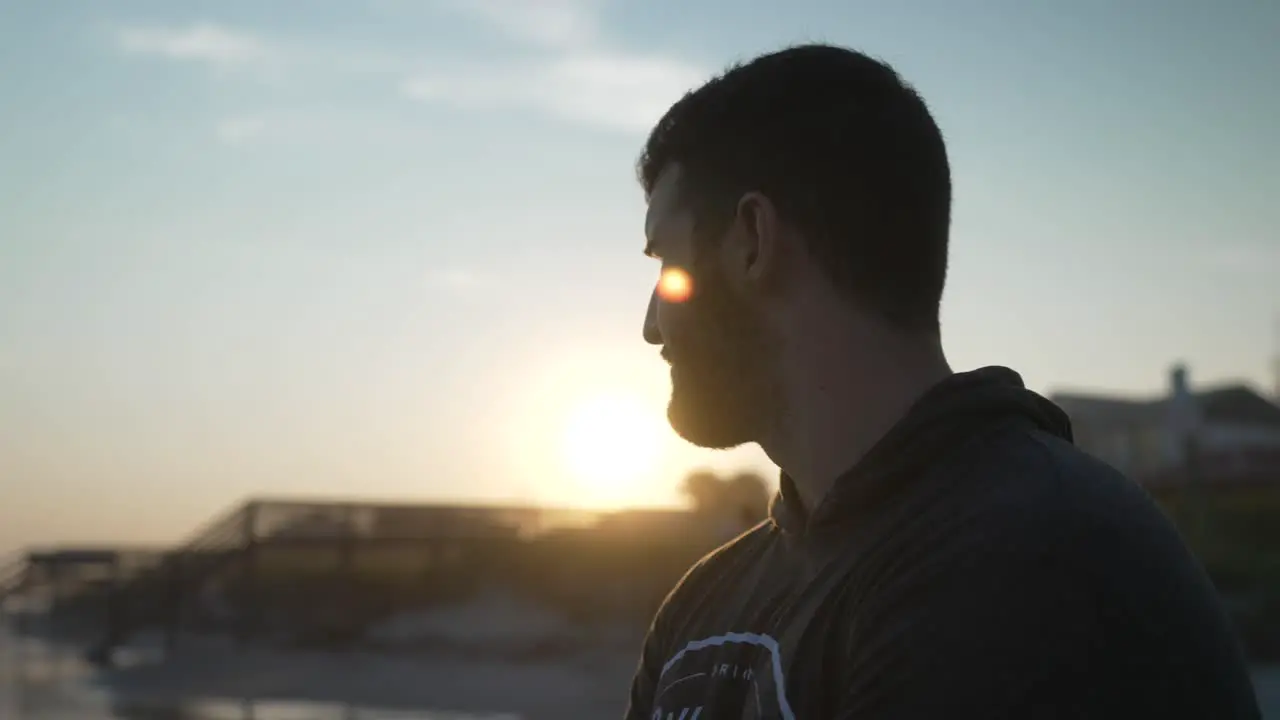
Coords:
721,396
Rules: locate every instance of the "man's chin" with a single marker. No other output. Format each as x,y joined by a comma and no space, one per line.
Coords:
712,431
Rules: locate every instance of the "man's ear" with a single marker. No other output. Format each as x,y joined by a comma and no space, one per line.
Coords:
751,250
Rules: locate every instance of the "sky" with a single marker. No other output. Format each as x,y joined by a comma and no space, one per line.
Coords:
391,249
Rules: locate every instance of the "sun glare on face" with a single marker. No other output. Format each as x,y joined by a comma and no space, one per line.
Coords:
611,445
675,285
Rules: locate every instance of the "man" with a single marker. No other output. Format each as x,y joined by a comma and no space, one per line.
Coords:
938,547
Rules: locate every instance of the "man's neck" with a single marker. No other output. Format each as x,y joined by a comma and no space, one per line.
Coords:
840,401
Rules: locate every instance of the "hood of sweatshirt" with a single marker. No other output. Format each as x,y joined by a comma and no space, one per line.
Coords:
950,414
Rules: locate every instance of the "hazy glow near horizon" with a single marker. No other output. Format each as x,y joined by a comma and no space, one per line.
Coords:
612,445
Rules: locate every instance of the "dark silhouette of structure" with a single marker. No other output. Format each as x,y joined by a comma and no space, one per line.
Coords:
322,573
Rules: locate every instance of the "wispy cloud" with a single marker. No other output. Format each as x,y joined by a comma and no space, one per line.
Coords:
548,23
562,65
574,76
240,130
314,124
614,92
460,279
1244,259
201,42
225,48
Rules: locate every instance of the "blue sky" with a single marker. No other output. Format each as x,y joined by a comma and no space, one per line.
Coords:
385,248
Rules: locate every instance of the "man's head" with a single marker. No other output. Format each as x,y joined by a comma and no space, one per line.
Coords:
810,177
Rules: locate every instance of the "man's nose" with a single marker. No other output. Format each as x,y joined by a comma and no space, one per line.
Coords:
651,333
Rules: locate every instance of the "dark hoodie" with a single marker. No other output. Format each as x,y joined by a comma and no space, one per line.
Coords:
974,564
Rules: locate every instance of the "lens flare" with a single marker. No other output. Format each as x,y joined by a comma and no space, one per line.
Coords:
675,285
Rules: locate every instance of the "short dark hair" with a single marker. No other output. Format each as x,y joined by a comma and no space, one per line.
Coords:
847,151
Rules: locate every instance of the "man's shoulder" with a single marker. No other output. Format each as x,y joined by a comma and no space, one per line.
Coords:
1031,470
723,562
716,573
1030,518
1053,495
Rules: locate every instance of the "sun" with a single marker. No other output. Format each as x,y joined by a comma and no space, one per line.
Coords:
612,443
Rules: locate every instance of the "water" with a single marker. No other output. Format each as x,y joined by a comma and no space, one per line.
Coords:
40,680
44,681
212,679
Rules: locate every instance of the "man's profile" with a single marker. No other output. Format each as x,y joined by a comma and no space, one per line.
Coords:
938,546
